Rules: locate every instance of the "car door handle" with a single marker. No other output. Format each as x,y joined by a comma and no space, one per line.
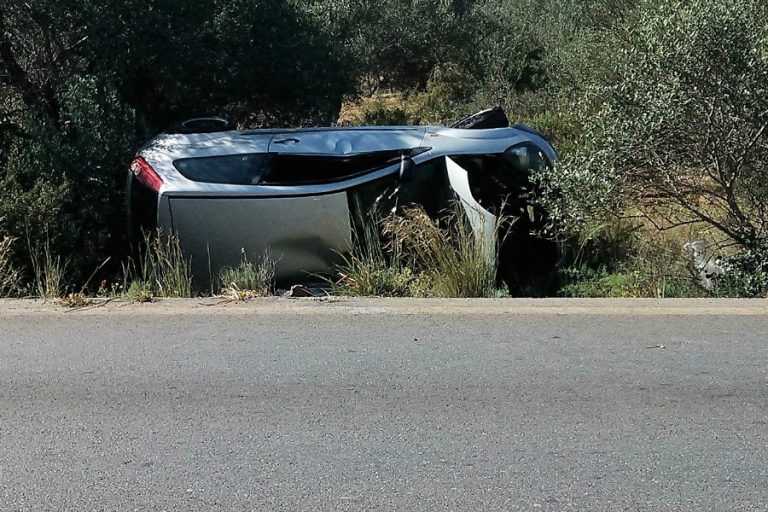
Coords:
287,141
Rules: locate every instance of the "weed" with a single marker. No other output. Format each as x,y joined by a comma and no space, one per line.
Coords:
75,300
249,279
49,272
139,291
107,289
161,267
9,276
587,282
414,255
370,278
450,253
374,268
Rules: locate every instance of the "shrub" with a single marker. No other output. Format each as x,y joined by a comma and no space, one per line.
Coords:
63,187
745,275
623,258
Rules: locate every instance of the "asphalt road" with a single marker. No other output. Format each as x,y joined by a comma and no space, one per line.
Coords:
385,405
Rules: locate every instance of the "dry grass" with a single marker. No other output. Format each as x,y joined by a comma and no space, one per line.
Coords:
413,255
374,268
451,256
49,272
75,300
380,108
161,269
10,281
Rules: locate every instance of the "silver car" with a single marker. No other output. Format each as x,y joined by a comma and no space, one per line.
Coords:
295,192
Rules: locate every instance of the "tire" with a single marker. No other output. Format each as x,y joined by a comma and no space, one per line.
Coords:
204,125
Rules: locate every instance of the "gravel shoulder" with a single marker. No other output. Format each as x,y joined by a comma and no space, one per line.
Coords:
404,306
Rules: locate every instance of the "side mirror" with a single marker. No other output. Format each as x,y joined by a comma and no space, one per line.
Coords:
407,168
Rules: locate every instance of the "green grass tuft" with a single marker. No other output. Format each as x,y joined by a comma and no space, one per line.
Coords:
161,269
249,279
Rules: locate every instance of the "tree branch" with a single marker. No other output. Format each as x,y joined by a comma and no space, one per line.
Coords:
17,77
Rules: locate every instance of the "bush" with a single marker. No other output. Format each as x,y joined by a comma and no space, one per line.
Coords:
622,258
63,188
745,275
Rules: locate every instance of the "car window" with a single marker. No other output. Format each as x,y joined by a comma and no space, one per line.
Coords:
429,188
288,169
245,169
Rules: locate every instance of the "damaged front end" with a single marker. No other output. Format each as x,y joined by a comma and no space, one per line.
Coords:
494,193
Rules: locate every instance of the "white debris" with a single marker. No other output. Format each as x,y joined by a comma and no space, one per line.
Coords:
705,262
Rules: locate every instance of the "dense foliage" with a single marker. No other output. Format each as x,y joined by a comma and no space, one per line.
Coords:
657,106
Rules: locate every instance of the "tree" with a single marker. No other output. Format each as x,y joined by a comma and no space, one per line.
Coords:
683,120
84,82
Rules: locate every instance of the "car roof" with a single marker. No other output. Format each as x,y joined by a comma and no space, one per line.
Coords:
362,139
166,148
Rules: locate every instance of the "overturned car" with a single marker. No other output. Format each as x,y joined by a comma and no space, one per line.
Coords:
295,192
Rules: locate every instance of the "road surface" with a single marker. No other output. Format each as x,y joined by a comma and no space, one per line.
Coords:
385,405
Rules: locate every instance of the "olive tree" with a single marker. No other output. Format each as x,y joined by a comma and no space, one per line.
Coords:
681,122
686,119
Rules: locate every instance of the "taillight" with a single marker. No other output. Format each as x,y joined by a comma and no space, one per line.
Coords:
146,174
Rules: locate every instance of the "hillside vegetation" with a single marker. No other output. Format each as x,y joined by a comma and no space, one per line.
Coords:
658,108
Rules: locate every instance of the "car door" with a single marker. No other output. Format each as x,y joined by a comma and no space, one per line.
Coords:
483,222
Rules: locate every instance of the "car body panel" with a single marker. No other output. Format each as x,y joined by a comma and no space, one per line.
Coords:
304,235
482,221
345,141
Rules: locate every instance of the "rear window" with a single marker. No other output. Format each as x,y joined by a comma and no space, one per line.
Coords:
303,169
246,169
